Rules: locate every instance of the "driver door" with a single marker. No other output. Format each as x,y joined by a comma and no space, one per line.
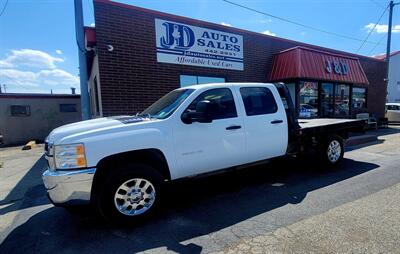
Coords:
204,147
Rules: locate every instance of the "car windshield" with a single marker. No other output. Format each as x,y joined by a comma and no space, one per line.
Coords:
165,106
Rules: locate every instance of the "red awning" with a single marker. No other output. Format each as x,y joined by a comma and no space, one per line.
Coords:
306,63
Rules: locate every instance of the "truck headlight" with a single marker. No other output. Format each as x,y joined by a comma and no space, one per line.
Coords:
69,156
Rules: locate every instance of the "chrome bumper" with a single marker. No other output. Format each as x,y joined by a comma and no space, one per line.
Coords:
69,187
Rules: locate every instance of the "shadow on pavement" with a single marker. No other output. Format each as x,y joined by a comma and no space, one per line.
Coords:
30,189
192,208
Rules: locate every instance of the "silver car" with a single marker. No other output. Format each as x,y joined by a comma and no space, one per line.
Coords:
393,112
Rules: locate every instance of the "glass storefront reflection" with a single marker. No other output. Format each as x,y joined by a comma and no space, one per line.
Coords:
359,98
327,100
308,99
342,100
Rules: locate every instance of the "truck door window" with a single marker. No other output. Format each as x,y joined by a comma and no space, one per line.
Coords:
221,100
258,101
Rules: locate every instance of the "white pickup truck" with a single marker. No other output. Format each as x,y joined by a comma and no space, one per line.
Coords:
120,163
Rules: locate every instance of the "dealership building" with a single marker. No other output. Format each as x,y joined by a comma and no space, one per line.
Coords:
137,55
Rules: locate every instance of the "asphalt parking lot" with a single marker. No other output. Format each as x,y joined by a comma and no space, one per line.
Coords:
285,206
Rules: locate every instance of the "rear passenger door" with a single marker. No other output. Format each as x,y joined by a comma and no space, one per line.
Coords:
265,123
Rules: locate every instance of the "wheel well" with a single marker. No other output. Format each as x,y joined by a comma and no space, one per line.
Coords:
153,157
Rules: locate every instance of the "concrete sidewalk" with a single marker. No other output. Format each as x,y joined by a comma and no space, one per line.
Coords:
370,136
361,226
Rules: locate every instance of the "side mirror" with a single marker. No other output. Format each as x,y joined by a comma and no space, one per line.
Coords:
187,117
203,113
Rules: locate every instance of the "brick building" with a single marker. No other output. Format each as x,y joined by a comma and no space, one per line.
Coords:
137,55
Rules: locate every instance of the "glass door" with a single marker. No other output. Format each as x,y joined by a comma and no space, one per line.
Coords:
327,109
342,100
308,99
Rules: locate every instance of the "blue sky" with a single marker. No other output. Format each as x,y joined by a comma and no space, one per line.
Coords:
38,50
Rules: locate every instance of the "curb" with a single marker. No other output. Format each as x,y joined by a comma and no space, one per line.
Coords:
358,140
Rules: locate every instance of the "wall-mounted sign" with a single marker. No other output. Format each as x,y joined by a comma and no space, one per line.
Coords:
191,45
337,67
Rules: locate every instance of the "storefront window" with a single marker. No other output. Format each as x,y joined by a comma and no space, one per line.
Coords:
342,100
308,99
359,97
188,80
327,100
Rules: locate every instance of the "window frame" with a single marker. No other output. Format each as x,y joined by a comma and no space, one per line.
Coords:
221,88
27,109
366,95
197,78
258,87
61,111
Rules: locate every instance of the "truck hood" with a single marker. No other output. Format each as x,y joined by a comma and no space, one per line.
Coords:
62,132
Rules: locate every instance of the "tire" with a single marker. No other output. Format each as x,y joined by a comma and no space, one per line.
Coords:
332,150
130,195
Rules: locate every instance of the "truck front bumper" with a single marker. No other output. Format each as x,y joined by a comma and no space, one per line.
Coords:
69,187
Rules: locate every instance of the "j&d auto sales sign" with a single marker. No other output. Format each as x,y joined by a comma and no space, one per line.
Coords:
179,43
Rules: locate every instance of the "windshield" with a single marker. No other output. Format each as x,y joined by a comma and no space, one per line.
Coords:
165,106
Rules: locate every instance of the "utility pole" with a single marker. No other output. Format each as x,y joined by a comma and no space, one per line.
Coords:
389,40
83,74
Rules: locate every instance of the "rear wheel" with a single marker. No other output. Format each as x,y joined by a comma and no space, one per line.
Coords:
332,150
132,194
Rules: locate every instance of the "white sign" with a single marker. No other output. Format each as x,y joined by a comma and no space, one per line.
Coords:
179,43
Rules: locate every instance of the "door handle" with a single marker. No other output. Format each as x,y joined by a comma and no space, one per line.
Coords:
233,127
276,121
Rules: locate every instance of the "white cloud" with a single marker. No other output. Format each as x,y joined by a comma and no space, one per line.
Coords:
30,58
53,77
379,55
4,64
264,21
225,24
268,32
303,33
17,77
28,70
381,28
56,77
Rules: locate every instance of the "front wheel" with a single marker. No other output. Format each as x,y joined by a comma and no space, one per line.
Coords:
332,150
131,195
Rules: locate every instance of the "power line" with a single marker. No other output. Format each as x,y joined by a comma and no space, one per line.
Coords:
372,30
380,40
4,8
378,4
297,23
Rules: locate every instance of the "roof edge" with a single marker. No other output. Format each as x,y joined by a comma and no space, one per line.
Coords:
39,96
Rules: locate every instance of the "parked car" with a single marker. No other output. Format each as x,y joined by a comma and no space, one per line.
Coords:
307,111
393,112
120,163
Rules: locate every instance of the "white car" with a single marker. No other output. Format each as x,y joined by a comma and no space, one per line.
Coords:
307,111
393,112
120,163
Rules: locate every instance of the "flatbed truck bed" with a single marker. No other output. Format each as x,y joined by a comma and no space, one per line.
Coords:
329,125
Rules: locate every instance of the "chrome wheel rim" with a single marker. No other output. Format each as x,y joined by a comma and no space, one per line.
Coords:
334,151
135,197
